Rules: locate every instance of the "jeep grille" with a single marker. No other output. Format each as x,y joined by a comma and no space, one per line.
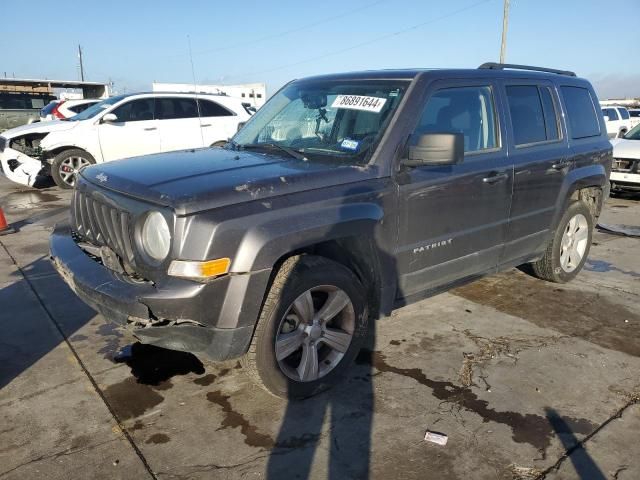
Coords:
102,225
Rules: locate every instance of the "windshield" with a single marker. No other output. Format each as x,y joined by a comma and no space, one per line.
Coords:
95,109
633,134
325,120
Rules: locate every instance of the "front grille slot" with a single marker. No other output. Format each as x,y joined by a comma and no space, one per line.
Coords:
102,225
624,165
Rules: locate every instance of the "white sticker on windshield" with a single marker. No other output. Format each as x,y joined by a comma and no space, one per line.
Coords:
359,102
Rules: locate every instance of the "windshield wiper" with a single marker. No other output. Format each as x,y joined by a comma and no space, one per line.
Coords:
291,152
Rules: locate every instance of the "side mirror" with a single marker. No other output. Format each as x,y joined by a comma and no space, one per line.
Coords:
109,118
435,149
606,118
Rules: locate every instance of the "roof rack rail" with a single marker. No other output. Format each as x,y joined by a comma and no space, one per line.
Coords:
502,66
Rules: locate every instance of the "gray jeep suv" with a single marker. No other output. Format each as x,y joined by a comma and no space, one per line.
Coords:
344,197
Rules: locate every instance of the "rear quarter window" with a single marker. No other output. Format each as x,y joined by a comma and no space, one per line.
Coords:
581,112
209,108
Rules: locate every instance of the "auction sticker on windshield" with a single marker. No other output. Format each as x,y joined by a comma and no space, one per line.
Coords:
359,102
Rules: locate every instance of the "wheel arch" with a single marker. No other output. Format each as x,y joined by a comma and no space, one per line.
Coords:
357,253
590,185
54,152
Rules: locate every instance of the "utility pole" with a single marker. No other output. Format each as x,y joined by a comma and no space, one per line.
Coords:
505,25
82,66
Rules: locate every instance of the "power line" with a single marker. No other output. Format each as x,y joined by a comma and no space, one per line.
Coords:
288,32
368,42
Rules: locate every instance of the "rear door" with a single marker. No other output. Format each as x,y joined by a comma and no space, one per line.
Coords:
178,123
540,154
134,133
452,218
218,123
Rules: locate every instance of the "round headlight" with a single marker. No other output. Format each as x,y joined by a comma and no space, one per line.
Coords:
156,238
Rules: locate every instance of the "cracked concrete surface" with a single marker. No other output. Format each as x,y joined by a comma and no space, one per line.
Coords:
528,380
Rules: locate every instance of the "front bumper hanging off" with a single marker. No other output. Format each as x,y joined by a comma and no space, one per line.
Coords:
193,311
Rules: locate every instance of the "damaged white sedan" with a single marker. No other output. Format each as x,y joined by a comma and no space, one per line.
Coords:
118,127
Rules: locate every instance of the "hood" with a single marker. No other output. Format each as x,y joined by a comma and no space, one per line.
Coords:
194,180
626,148
39,127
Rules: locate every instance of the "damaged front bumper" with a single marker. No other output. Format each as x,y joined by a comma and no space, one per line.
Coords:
162,316
21,168
625,174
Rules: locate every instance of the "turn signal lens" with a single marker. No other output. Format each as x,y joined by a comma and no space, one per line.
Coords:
208,269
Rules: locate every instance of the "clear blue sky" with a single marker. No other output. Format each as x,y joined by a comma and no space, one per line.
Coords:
137,42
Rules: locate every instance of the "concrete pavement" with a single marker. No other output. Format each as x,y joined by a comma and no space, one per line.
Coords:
527,379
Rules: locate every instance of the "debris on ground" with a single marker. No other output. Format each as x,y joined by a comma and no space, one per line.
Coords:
435,437
524,473
626,230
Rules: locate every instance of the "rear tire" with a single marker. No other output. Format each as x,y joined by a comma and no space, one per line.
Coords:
568,250
291,326
67,164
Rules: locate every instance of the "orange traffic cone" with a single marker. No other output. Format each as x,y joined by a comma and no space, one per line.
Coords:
4,227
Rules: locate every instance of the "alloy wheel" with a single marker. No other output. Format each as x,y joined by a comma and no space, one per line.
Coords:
315,333
574,243
70,167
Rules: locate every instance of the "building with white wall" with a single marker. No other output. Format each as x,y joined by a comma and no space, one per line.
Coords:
253,93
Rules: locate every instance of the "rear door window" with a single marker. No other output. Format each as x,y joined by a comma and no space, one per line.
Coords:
527,115
623,113
174,108
611,113
581,112
467,110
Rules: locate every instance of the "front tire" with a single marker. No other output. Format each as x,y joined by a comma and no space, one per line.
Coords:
568,250
67,164
311,327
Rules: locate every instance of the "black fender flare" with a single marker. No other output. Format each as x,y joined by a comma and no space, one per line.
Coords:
584,177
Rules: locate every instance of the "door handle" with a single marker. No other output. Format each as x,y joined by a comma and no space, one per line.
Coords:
150,129
206,125
559,165
495,178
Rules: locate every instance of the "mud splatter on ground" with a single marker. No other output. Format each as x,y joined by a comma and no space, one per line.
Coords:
206,380
158,438
130,399
587,315
526,428
234,419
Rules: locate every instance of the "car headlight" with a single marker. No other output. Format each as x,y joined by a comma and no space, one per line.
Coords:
156,237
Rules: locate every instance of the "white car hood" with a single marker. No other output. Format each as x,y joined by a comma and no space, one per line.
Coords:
40,127
626,148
